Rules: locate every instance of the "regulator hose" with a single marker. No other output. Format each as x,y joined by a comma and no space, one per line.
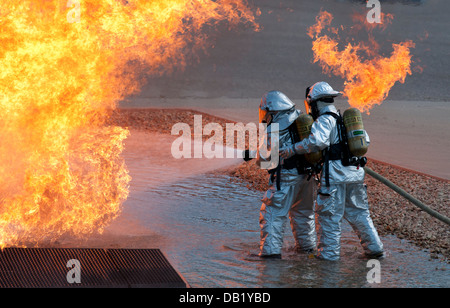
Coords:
407,196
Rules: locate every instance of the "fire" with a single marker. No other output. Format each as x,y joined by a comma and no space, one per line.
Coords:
61,76
367,80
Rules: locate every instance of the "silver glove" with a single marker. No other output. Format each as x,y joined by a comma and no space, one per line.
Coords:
288,152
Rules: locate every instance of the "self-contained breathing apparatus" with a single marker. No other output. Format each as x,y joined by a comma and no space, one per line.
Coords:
349,150
305,164
352,144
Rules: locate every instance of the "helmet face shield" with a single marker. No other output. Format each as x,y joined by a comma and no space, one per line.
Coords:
264,116
307,108
313,109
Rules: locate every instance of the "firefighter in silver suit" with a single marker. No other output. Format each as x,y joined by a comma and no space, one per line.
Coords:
290,193
342,192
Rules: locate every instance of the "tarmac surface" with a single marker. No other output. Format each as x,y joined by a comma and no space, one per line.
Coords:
410,129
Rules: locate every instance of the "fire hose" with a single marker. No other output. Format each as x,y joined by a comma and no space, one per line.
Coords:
407,196
395,188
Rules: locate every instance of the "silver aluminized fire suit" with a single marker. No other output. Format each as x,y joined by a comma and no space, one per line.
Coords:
295,195
345,197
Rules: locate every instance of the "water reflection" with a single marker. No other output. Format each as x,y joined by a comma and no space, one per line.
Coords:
207,226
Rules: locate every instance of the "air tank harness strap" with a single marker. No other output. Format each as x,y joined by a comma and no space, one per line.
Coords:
334,151
276,171
340,151
296,161
288,164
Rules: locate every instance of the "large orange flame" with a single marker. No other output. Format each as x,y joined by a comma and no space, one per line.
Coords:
64,65
367,80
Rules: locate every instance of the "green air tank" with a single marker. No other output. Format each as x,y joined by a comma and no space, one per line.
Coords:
355,132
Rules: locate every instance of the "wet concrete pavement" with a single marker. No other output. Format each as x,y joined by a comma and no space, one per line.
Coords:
207,226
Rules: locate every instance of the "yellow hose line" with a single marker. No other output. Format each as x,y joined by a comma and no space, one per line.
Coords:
407,196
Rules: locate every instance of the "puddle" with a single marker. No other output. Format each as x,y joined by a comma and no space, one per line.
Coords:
207,226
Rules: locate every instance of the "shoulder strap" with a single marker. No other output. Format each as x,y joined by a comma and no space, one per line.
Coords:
275,174
339,124
335,147
336,116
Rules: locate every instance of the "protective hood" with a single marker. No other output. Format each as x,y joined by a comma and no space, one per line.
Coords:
280,108
275,101
320,90
284,119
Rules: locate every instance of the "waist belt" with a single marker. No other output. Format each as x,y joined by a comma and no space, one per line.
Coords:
335,152
288,164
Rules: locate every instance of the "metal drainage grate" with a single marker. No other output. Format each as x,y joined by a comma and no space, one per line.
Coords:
86,267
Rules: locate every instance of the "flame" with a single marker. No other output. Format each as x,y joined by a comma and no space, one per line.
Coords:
62,72
367,80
